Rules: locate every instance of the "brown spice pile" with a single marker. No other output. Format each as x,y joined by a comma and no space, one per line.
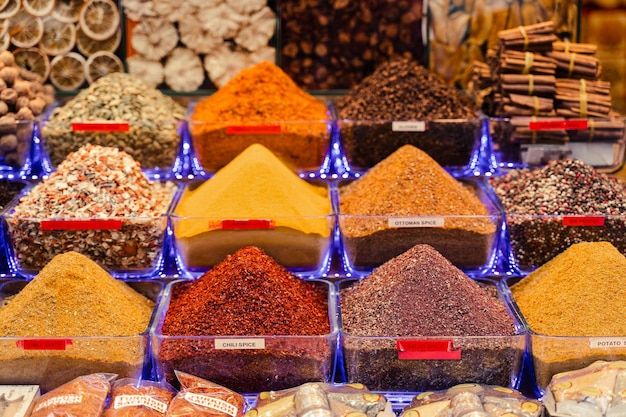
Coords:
420,293
410,183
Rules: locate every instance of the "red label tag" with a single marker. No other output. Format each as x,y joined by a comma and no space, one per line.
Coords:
253,130
583,221
574,124
100,127
242,224
427,350
44,344
92,224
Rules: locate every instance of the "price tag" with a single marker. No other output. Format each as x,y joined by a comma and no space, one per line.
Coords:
583,221
91,224
44,344
100,127
427,350
574,124
242,224
420,221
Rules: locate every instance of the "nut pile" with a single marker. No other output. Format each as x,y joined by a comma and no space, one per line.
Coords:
152,138
191,44
94,182
22,98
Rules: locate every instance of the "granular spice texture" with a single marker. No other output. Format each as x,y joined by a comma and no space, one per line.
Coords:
536,201
410,183
73,296
248,294
94,182
579,293
421,294
259,96
402,90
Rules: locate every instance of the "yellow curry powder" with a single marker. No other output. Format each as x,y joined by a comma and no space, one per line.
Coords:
262,105
255,185
580,292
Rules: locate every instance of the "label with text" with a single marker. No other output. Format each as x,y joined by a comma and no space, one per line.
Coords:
408,126
607,342
213,403
253,130
100,127
408,222
123,401
583,221
257,343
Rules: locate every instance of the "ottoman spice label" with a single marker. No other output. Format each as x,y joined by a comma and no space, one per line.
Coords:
260,105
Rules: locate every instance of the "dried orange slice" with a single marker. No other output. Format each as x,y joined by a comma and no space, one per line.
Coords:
58,37
99,19
38,7
100,64
67,72
4,26
5,41
34,60
88,46
9,9
67,10
25,30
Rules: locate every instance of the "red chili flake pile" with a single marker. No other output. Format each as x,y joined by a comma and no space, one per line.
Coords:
93,182
247,294
562,187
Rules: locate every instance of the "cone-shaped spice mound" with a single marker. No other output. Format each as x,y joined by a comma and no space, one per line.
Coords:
246,294
420,293
73,296
580,292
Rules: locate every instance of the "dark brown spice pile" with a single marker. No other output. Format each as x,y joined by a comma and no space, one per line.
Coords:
8,190
447,302
402,90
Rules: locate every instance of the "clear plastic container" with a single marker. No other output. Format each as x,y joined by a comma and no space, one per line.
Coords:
551,355
424,363
469,242
525,141
454,143
246,364
52,361
283,238
18,155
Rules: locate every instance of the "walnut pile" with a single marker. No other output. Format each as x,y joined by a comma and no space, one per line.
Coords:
23,97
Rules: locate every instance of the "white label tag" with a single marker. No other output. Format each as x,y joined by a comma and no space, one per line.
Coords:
408,126
240,343
122,401
400,222
607,342
204,400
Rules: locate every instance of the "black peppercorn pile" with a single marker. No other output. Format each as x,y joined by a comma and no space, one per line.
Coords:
401,89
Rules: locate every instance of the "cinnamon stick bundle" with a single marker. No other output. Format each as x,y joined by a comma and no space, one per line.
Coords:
579,48
582,98
573,65
517,62
602,130
539,85
521,132
522,105
532,38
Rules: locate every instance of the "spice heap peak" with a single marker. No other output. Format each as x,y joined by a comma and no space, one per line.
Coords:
256,184
99,182
448,302
260,93
74,296
580,292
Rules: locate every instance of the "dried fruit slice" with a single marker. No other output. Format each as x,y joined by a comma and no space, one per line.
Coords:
9,9
3,3
25,30
58,37
5,41
154,38
100,64
99,19
38,8
67,10
4,26
67,72
34,60
88,46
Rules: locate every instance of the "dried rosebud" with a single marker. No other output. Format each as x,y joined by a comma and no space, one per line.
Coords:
7,58
9,74
25,114
8,95
8,142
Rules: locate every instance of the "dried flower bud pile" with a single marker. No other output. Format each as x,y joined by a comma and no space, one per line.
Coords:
537,200
152,139
177,43
22,98
94,182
